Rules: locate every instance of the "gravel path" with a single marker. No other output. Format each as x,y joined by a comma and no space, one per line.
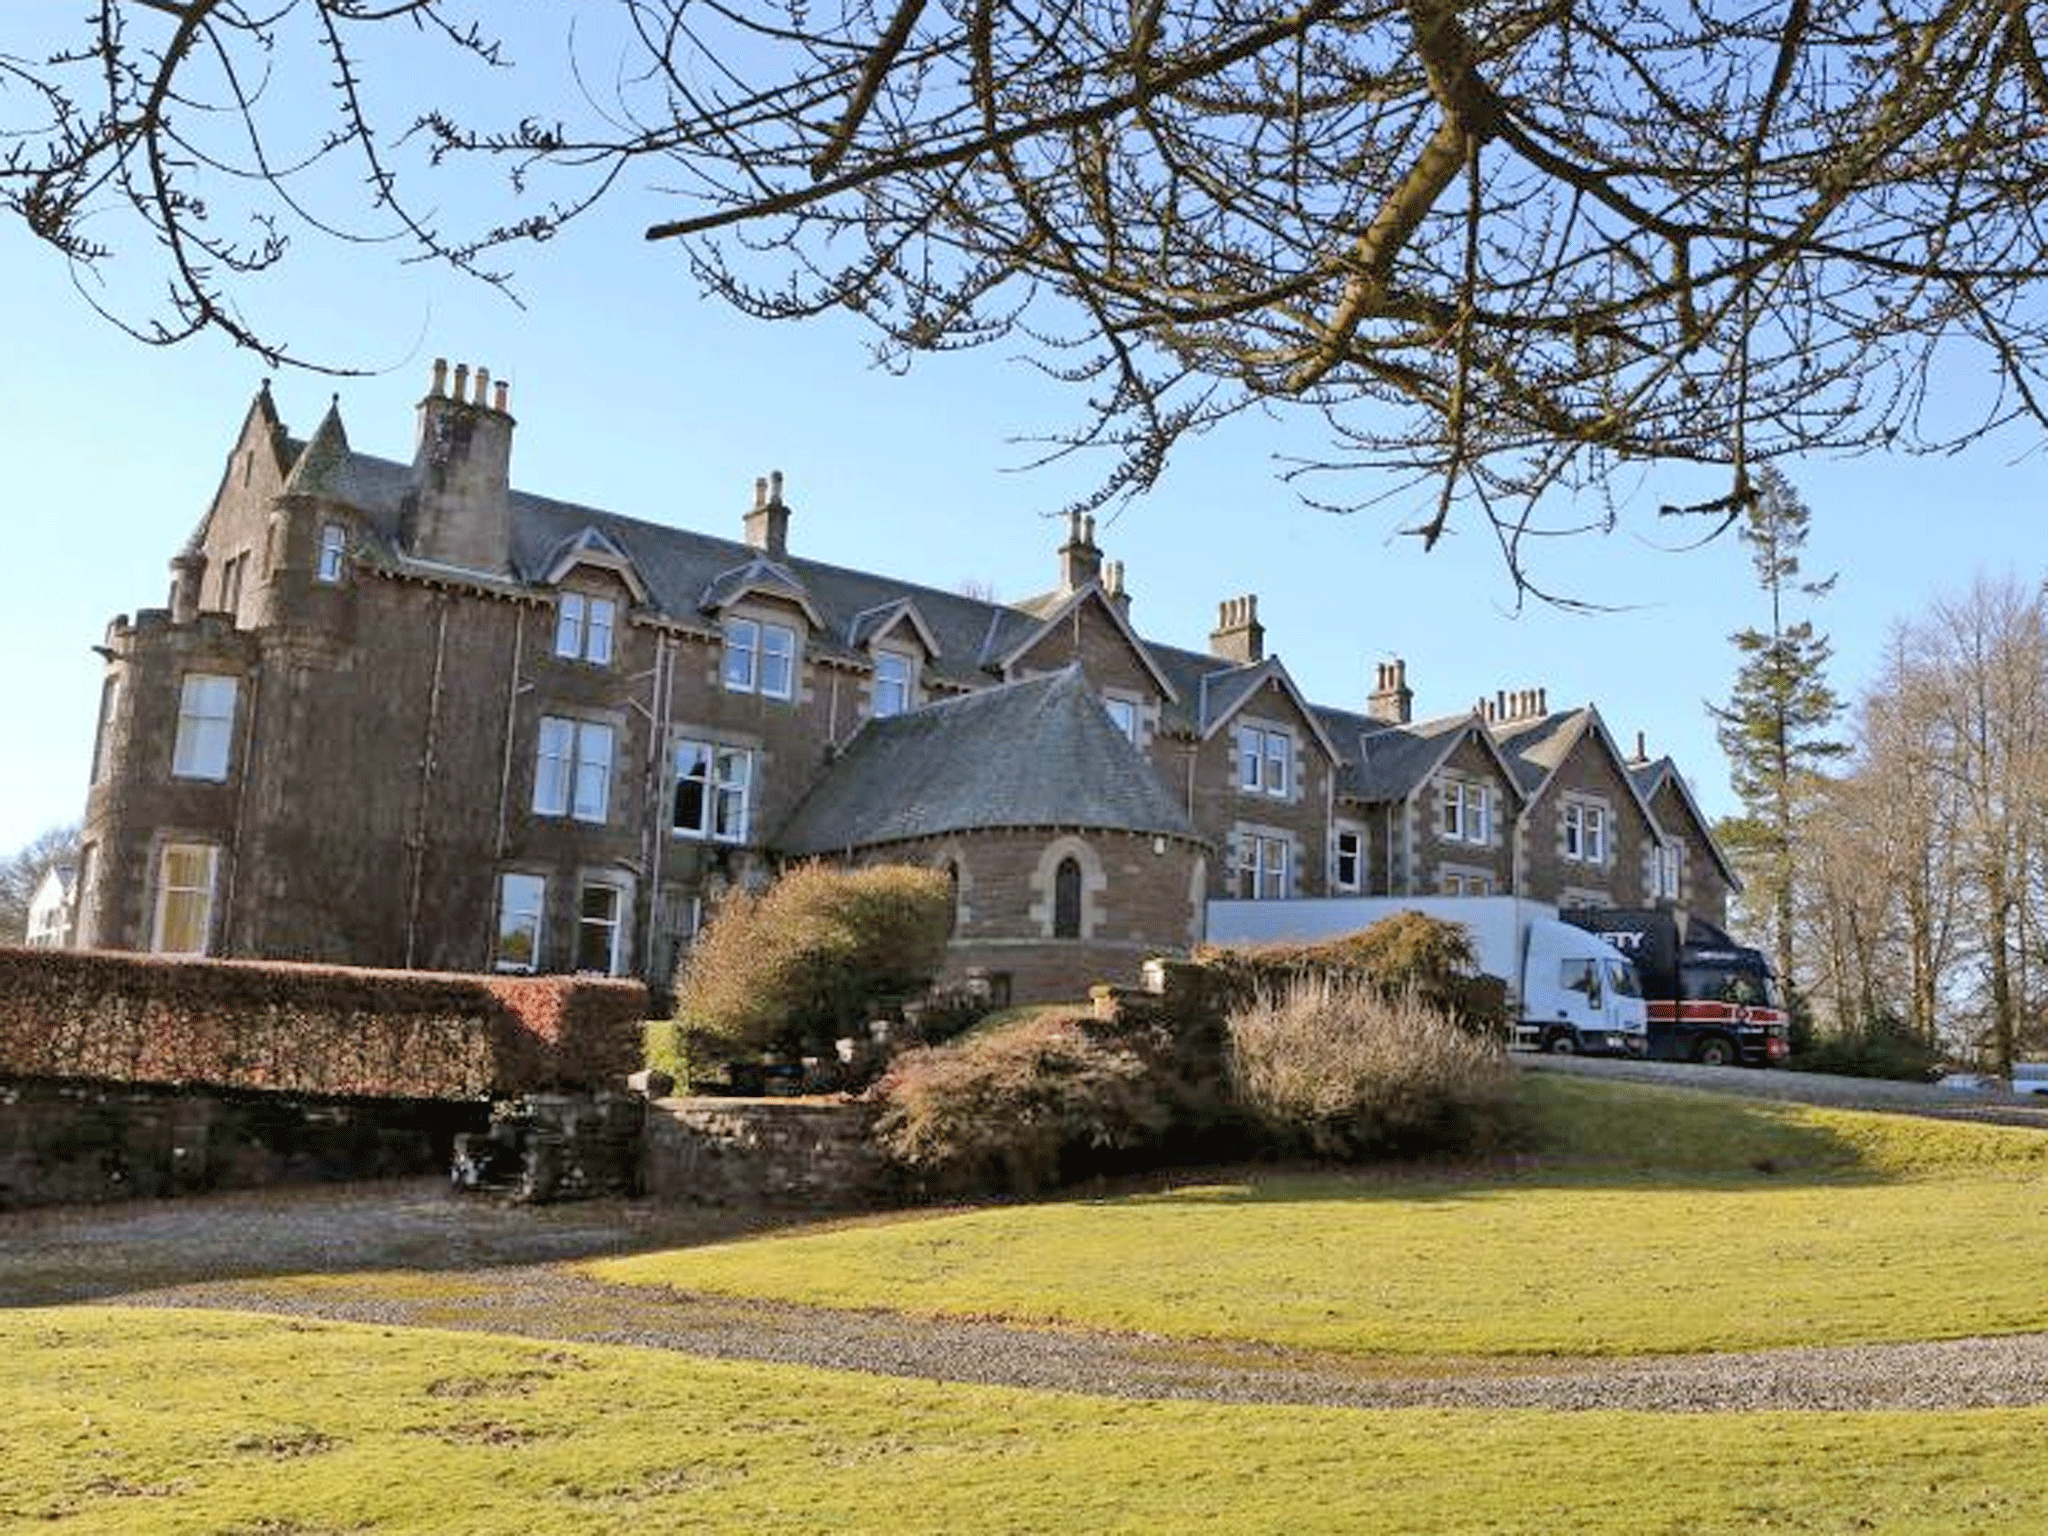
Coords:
494,1268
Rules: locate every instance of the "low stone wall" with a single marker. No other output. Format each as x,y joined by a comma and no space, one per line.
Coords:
64,1143
810,1154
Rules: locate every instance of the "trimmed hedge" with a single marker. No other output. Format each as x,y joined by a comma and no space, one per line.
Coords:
312,1029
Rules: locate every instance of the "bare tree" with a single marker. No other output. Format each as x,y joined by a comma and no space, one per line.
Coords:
22,871
1496,248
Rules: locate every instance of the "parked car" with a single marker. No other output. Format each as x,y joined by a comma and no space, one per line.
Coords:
2030,1077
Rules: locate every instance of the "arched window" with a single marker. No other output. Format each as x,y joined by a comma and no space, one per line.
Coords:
1066,899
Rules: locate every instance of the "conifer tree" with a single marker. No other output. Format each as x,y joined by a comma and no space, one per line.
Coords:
1775,726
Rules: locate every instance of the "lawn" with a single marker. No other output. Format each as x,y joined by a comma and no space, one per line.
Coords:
153,1423
1650,1220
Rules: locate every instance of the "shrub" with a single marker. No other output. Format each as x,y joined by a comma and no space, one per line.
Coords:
1021,1108
1407,954
807,960
310,1028
1338,1069
1885,1046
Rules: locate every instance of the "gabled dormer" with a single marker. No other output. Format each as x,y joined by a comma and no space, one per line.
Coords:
899,644
1087,628
1271,726
1587,835
595,581
764,613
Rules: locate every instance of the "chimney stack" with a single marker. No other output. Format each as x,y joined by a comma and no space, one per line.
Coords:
1392,701
1113,585
1080,560
458,510
1239,636
767,523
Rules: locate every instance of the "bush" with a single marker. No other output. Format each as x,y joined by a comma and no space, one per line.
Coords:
1338,1069
1407,954
314,1029
1021,1108
1884,1047
809,959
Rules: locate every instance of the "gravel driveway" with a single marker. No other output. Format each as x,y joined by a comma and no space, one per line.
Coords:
480,1265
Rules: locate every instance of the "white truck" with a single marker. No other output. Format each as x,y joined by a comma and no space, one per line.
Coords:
1568,990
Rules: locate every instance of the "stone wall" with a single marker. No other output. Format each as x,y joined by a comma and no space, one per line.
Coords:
80,1143
782,1153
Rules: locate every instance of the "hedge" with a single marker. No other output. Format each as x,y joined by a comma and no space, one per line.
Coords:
313,1029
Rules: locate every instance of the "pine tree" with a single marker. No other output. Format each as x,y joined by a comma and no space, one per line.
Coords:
1774,728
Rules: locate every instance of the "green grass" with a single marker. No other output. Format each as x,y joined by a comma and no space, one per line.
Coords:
166,1423
1648,1226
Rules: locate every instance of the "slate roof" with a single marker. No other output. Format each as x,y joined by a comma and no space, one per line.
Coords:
1037,753
1535,747
687,574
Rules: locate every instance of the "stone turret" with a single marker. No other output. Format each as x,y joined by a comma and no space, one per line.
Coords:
458,511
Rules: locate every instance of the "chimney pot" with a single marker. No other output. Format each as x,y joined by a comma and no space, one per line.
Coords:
501,398
439,384
483,386
775,487
462,381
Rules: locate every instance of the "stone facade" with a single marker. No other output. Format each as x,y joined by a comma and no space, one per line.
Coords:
403,714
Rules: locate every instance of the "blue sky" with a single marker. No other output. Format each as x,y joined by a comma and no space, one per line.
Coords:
634,394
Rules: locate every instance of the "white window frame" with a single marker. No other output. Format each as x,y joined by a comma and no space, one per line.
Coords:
1340,853
895,677
1467,812
572,769
1262,866
1585,832
1670,867
1265,759
524,912
726,776
614,925
204,747
760,657
584,626
333,553
166,893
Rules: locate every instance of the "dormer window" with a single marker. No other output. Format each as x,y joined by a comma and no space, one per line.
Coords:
760,658
583,628
892,683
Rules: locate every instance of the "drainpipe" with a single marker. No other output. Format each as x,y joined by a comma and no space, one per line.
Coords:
428,748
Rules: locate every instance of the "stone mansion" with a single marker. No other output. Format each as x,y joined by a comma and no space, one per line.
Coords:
402,714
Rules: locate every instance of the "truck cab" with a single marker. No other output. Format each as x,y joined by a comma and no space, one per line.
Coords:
1711,1000
1579,997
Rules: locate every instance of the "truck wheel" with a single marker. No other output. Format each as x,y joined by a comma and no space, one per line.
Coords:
1715,1051
1563,1043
